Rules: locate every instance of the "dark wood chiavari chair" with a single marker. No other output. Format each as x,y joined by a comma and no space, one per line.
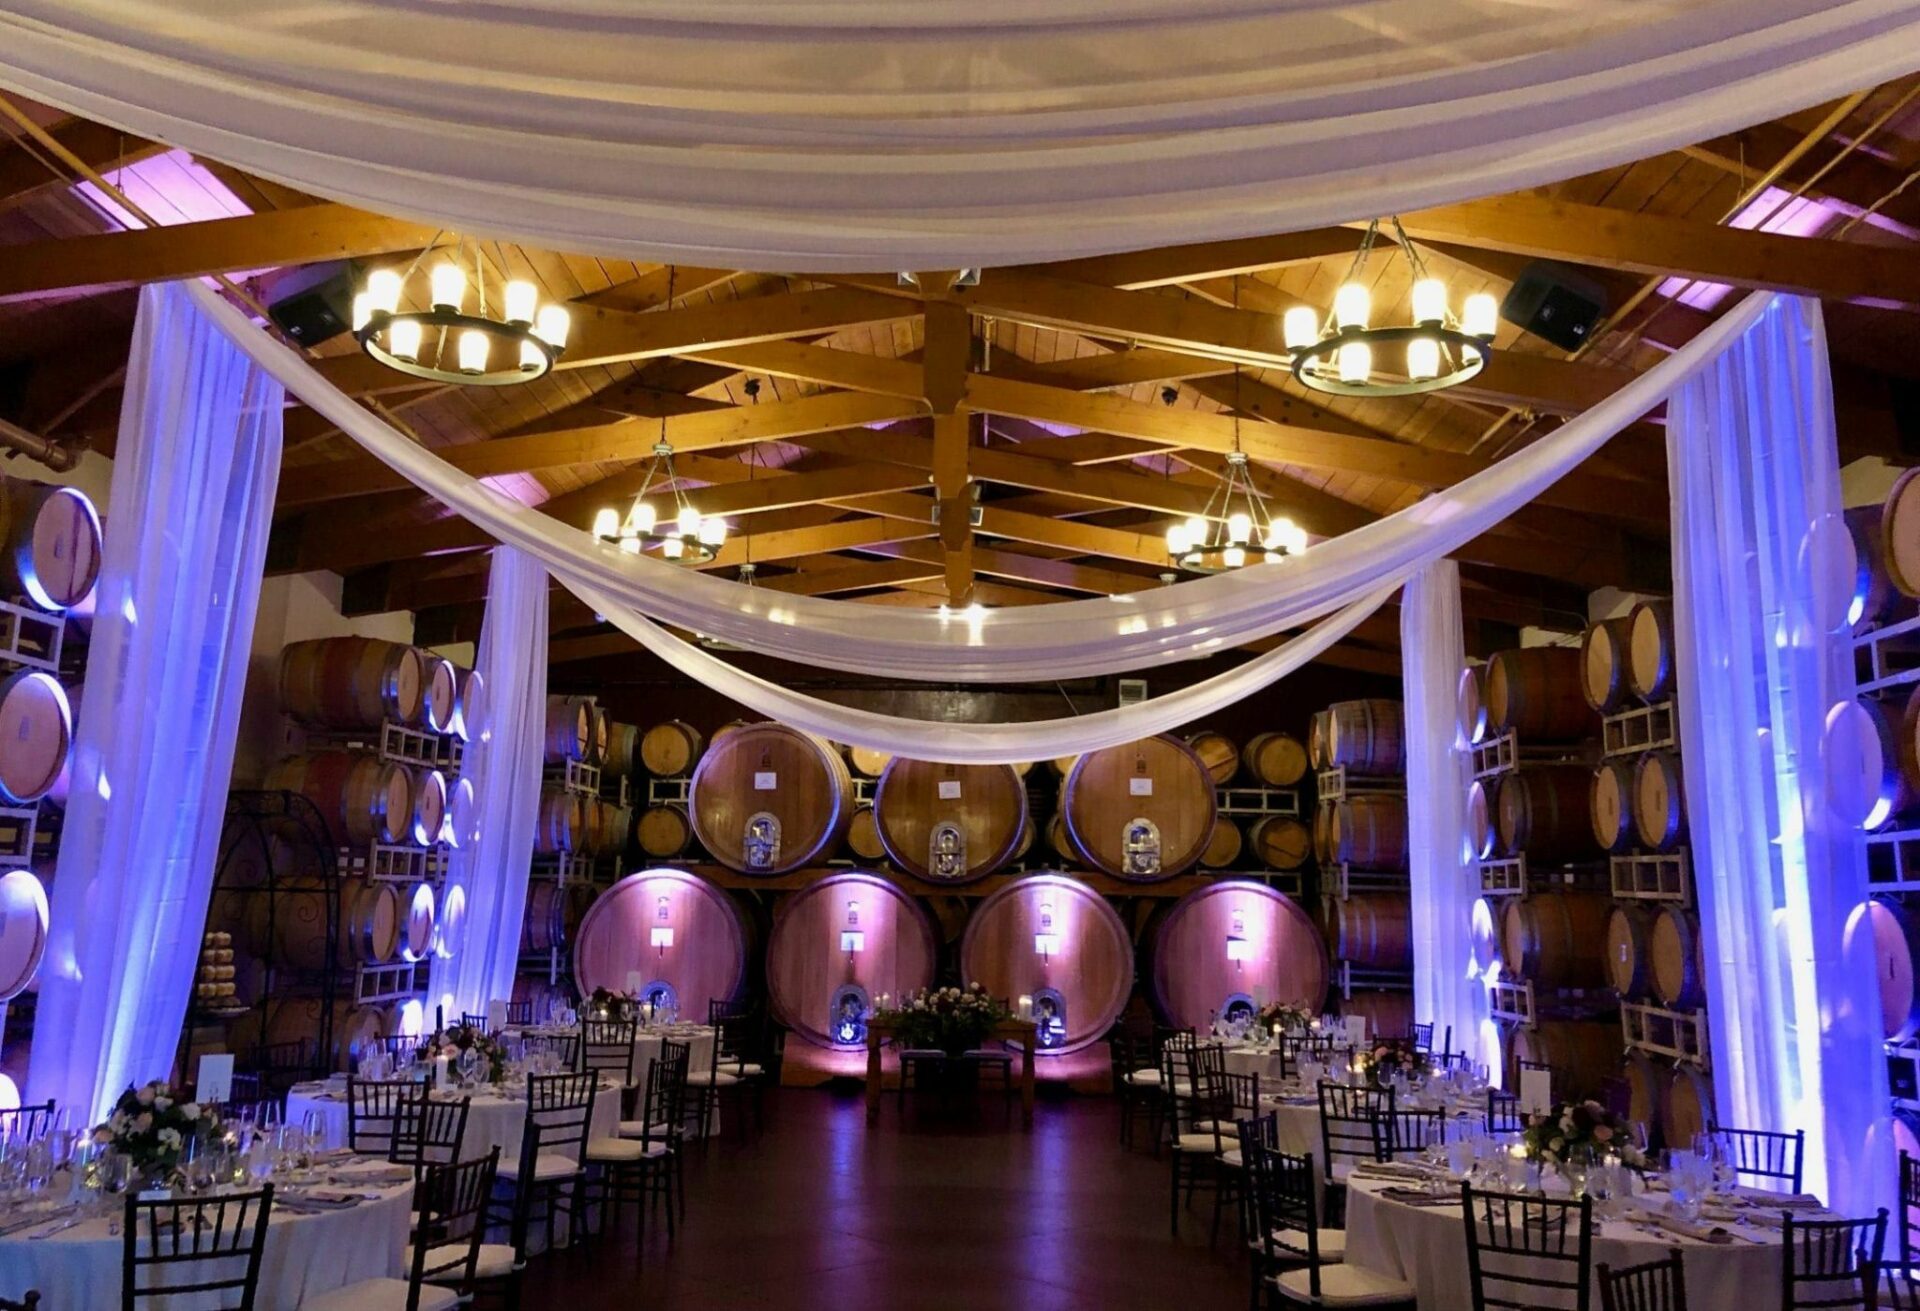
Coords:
1250,1132
1170,1056
448,1256
28,1121
1128,1057
551,1169
1527,1252
719,1008
30,1302
562,1048
1448,1062
280,1065
1410,1133
1503,1113
1831,1263
432,1135
1356,1124
643,1165
379,1112
519,1013
606,1047
717,1083
172,1247
760,1052
1203,1129
1655,1286
1761,1154
1421,1035
468,1020
1303,1256
1909,1217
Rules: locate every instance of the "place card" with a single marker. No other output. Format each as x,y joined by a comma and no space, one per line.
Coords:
213,1079
1536,1091
1356,1029
1139,787
765,780
496,1016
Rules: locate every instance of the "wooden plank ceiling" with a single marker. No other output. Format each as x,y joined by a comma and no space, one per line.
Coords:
1086,403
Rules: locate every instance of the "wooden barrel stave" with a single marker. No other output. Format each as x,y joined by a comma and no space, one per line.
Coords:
363,798
290,927
1900,534
561,826
1673,945
439,692
1544,810
1610,805
1629,961
1884,932
1317,740
1275,759
765,777
868,762
623,750
663,830
36,735
1278,841
670,749
569,732
1470,704
1367,736
351,682
1375,929
50,543
1659,801
1535,692
809,963
1389,1013
470,706
1369,831
1285,955
1113,795
1557,939
1483,818
1219,753
1224,846
1689,1107
949,823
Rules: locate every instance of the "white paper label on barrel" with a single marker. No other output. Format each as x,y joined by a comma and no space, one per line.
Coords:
1139,787
1536,1091
765,780
635,982
949,789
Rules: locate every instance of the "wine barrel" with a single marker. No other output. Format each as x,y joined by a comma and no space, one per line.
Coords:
863,834
561,824
290,926
623,749
1369,831
1389,1014
1275,759
1603,664
664,829
1673,943
36,733
23,930
1860,750
357,1028
1907,741
1367,736
671,749
1224,846
1470,705
1081,981
1535,692
1650,650
419,923
868,762
363,798
665,929
731,726
429,806
350,682
541,995
1483,937
1556,939
1375,929
1659,806
1483,818
1870,595
846,932
1060,839
569,734
1900,534
1219,753
1629,961
1544,810
1610,800
543,924
1689,1108
1647,1083
1278,841
949,823
1317,740
470,706
450,925
1892,943
462,823
619,827
599,726
1323,834
49,543
770,799
1281,954
439,692
1581,1054
1142,811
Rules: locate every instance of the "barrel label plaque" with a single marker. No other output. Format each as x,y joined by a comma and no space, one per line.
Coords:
765,780
1139,787
949,789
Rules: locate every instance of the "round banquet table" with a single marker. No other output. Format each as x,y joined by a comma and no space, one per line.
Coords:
305,1255
495,1119
1424,1246
646,1045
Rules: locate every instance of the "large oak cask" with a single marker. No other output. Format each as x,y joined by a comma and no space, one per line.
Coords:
1225,846
1629,954
1235,941
949,823
1535,692
1375,929
623,749
1143,811
1056,940
671,749
664,830
768,799
839,945
667,935
1673,944
1389,1012
1278,841
351,682
49,543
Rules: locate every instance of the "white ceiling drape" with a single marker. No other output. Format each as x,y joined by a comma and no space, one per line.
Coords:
870,134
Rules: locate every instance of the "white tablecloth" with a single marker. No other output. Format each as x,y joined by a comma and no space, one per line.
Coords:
492,1120
1426,1247
306,1255
646,1046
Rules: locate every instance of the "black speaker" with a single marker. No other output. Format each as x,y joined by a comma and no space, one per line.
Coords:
1556,302
314,304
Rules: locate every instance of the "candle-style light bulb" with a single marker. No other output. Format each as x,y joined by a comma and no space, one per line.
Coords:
403,340
1429,301
552,325
1300,327
474,347
522,299
383,291
606,522
448,285
1352,304
1356,361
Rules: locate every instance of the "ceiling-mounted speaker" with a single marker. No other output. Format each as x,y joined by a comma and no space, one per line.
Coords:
314,304
1555,302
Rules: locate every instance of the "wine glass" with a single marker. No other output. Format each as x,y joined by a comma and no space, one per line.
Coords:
466,1064
315,1130
196,1169
116,1175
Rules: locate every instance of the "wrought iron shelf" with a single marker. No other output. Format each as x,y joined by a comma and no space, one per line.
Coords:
1338,782
1887,657
566,867
1678,1035
1652,876
1639,729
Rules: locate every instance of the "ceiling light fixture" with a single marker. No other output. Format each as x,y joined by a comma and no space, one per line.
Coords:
505,339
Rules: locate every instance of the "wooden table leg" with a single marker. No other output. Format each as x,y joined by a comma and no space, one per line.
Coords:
873,1076
1026,1082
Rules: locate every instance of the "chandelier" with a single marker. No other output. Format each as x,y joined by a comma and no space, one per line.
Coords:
507,339
1338,354
689,537
1236,529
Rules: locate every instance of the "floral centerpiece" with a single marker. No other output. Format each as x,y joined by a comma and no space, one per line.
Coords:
614,1005
1279,1017
952,1020
1574,1130
461,1038
151,1125
1388,1057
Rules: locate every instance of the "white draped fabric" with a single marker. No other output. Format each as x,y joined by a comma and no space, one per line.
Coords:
192,497
491,871
1444,884
1756,500
871,134
1024,643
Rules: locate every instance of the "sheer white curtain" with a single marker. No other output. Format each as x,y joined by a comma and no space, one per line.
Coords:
873,134
1018,643
1443,882
1756,495
192,497
491,871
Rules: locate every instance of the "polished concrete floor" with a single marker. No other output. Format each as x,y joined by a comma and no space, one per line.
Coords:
950,1212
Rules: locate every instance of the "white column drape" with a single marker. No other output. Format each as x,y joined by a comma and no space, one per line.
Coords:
1019,643
192,498
1441,879
491,872
1756,489
869,134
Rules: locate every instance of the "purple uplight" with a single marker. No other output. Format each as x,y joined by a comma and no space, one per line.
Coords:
1773,210
172,186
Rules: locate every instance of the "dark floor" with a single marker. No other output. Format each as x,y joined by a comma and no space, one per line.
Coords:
946,1214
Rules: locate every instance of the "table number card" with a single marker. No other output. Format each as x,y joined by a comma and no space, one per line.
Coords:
213,1080
635,982
1356,1027
496,1016
1536,1091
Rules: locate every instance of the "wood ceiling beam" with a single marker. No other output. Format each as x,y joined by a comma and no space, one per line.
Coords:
1020,567
23,176
818,540
104,261
1655,244
855,576
1210,259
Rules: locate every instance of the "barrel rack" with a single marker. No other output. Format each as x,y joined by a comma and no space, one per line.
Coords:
29,639
1884,659
584,780
1336,784
1657,1031
1514,876
390,862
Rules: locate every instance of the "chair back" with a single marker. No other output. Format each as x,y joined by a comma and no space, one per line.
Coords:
1285,1193
1528,1252
720,1008
380,1113
667,1081
1356,1124
1655,1286
1909,1204
1503,1113
559,1111
283,1064
450,1222
173,1247
734,1041
519,1012
563,1048
1831,1263
432,1135
1761,1156
1421,1036
28,1122
1203,1069
1410,1133
477,1023
606,1047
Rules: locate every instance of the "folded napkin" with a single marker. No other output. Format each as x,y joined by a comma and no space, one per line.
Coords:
1700,1233
1418,1197
1780,1201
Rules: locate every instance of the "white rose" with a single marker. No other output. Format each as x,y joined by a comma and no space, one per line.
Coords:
143,1122
145,1096
170,1138
191,1110
162,1103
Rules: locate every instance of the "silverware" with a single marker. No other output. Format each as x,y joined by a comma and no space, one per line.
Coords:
60,1228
